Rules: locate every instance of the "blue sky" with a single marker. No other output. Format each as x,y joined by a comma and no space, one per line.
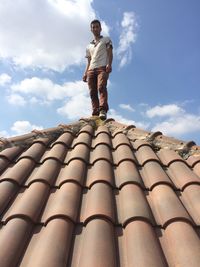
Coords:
155,80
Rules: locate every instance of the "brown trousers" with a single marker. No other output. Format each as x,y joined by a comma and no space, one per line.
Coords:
97,83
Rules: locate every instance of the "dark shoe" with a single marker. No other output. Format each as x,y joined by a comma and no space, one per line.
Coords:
102,115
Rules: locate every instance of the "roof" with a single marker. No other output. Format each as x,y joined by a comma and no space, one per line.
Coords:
99,194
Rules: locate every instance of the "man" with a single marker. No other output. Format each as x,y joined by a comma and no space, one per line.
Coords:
99,65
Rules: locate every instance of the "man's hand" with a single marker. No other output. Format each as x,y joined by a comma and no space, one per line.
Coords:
108,68
85,78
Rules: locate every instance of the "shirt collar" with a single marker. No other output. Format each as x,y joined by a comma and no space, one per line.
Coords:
94,42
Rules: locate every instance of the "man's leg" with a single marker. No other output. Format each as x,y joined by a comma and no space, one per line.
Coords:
102,88
92,84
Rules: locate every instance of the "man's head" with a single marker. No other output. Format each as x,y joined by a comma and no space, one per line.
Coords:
95,26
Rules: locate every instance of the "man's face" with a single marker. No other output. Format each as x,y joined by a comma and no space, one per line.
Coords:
96,29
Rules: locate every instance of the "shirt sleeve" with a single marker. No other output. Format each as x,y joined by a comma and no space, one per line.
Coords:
109,43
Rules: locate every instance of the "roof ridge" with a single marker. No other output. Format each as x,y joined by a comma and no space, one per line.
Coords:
26,139
155,139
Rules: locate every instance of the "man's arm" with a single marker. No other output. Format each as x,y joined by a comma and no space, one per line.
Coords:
86,69
110,59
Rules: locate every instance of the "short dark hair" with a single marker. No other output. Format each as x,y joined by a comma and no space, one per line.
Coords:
95,21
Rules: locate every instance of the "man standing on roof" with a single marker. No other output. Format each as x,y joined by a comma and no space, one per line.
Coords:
99,65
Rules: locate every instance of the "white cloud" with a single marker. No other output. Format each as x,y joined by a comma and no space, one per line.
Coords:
22,127
78,106
17,100
113,114
4,79
127,38
126,107
179,125
165,110
48,91
43,91
4,134
105,28
50,34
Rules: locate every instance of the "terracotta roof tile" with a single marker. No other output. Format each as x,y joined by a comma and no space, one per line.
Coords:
7,190
102,138
190,198
182,175
132,205
82,138
101,151
72,172
120,139
80,151
95,173
92,246
99,193
140,246
46,172
197,169
139,143
14,237
123,152
102,129
11,153
49,245
153,174
168,156
44,140
145,154
18,172
3,164
181,244
127,172
98,202
87,129
28,203
34,152
166,206
58,152
117,131
63,202
193,160
65,139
